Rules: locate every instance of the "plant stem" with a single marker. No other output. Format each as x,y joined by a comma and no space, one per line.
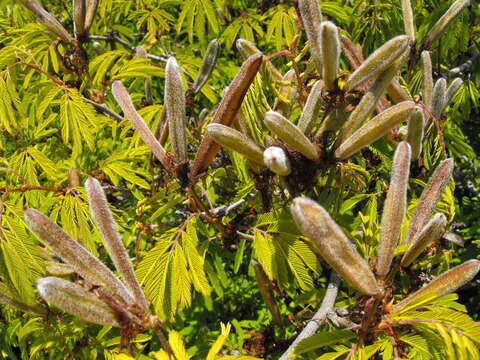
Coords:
320,316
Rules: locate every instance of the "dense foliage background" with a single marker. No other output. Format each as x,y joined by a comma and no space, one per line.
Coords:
53,137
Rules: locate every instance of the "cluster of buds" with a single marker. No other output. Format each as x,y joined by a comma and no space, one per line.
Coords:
377,74
101,298
338,251
83,14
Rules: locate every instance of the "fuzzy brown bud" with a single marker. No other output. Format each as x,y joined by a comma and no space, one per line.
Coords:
379,61
291,134
429,198
235,140
123,99
311,18
416,126
74,254
208,64
447,18
76,300
330,51
176,111
379,126
112,239
445,283
430,233
394,209
312,107
332,244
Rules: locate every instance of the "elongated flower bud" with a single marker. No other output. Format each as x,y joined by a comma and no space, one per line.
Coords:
287,93
379,61
47,20
235,140
90,13
450,15
79,11
226,112
123,99
430,233
247,48
175,105
140,53
376,128
330,51
427,80
277,161
312,107
266,292
112,240
408,19
70,251
394,209
76,300
312,17
416,126
368,102
332,244
291,134
429,198
208,64
452,90
439,97
445,283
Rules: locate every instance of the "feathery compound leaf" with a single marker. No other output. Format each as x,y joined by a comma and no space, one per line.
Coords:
394,208
415,132
290,133
76,300
429,198
311,18
379,61
311,109
452,90
330,51
84,263
79,12
439,97
430,233
277,161
123,99
175,106
335,248
47,20
113,242
408,19
90,13
227,110
376,128
208,64
235,140
450,15
445,283
427,79
368,102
